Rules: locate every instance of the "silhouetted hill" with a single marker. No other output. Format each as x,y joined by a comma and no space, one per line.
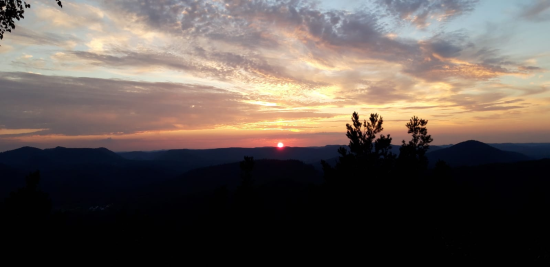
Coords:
196,158
265,171
21,155
141,155
86,176
81,176
78,185
30,157
470,153
82,155
509,186
533,150
207,179
10,179
185,196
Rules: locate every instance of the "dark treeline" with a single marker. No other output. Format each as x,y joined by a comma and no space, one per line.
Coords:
372,206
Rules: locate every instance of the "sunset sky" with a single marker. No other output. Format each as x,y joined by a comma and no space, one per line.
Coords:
158,74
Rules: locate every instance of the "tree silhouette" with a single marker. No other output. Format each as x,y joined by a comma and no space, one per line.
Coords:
247,206
357,182
244,195
246,168
367,155
11,10
412,154
368,193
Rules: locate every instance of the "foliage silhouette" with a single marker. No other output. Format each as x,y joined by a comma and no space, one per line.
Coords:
28,203
412,154
11,10
369,177
367,155
246,200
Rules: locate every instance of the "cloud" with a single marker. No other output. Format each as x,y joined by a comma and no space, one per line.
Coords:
29,63
381,92
71,16
90,106
454,55
473,103
26,36
290,42
419,12
537,11
218,65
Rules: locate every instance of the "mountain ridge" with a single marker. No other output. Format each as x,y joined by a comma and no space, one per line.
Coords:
473,152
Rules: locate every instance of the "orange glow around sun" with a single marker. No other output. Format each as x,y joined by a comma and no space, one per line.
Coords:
280,144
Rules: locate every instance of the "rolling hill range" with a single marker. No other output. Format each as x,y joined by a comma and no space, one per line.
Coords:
265,172
196,158
80,176
226,155
471,153
276,180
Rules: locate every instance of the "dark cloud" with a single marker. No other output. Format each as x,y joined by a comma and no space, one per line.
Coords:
27,36
524,90
160,15
537,11
89,106
31,64
418,12
447,45
530,68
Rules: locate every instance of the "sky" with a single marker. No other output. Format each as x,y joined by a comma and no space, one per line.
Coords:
160,74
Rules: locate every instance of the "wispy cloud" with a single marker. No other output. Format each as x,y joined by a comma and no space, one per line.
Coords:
537,11
420,12
84,106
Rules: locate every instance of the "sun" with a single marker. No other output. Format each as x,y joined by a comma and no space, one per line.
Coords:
280,144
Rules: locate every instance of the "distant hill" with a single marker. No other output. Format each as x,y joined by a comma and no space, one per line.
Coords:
37,158
533,150
470,153
196,158
141,155
80,175
276,182
207,179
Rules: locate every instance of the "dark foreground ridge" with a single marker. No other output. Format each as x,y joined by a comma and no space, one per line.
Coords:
367,205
